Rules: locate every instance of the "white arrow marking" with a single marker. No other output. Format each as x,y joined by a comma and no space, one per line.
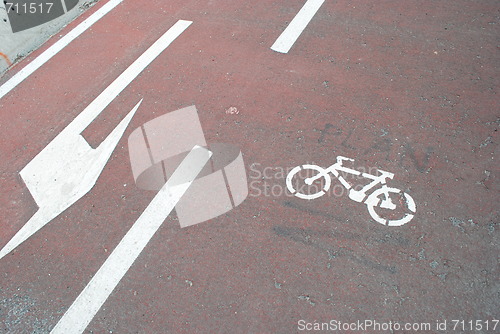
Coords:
93,296
286,40
63,173
65,170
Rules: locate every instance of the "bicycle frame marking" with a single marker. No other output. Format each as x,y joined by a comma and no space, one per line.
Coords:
371,200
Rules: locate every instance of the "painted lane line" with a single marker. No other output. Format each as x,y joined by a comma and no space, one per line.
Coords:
97,291
286,40
67,168
116,87
54,49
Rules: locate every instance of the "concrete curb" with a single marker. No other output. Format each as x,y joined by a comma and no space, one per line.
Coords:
16,46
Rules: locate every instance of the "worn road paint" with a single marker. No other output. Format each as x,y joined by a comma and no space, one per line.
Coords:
373,200
68,167
54,49
286,40
93,296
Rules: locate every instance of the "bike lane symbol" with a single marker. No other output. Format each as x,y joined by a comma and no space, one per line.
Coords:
382,198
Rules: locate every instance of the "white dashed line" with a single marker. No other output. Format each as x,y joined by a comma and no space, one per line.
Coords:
286,40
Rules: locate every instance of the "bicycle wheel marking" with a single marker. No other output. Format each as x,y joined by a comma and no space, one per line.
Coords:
411,203
308,196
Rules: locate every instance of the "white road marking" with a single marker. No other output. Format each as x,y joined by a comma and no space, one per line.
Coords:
97,291
373,200
54,49
63,173
286,40
67,168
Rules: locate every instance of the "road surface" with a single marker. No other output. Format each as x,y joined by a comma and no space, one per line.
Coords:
409,88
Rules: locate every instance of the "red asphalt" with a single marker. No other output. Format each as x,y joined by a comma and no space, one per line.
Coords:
408,87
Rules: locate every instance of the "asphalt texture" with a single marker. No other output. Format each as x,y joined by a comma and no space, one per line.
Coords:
408,87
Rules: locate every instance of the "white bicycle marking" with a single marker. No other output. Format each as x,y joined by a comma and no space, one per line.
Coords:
372,201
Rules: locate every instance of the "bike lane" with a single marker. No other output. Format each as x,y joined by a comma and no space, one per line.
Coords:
390,93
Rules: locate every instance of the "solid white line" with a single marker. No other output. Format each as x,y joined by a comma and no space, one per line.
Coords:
115,88
54,49
90,300
286,40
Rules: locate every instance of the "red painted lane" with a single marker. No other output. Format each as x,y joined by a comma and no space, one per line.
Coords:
409,89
